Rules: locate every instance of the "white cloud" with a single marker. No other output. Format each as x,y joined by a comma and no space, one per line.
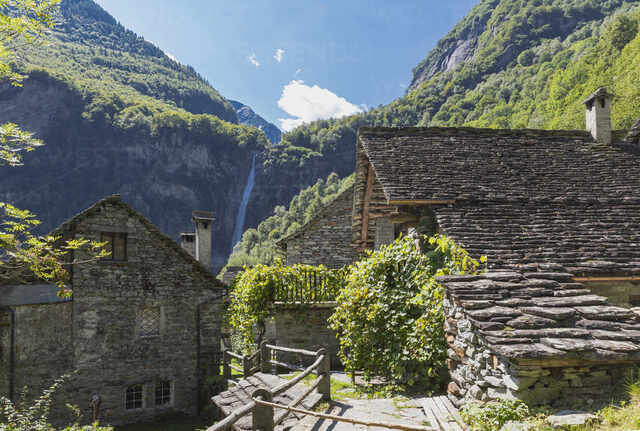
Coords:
253,59
172,57
298,72
278,54
308,104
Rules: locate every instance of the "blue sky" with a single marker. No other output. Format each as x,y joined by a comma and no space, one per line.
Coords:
296,61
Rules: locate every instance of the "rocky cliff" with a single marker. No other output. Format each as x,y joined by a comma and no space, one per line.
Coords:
247,116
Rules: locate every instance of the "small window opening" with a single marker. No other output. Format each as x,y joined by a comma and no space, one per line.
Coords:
590,105
116,245
603,102
149,322
163,393
133,397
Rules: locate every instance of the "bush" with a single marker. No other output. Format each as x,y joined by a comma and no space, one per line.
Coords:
36,417
493,415
258,287
389,316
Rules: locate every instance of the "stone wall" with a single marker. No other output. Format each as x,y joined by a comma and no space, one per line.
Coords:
478,374
42,347
326,239
303,328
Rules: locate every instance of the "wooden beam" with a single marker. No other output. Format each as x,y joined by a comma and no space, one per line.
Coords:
587,279
365,208
422,202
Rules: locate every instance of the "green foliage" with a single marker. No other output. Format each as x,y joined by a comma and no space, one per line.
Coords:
13,141
493,415
89,48
258,287
24,254
258,246
389,315
36,417
22,22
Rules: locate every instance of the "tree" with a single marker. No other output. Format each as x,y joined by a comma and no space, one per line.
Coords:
24,254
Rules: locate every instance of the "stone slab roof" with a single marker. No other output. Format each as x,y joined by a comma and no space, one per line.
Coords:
544,317
30,294
587,239
488,165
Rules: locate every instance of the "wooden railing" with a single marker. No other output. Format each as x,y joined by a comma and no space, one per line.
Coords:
263,416
310,287
250,364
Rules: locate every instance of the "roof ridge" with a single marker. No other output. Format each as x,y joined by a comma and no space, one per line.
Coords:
116,199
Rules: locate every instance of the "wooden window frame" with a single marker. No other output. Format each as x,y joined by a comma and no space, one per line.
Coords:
112,258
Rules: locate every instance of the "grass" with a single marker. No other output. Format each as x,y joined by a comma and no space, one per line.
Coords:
618,416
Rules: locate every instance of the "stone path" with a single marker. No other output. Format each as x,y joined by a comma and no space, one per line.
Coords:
402,412
240,395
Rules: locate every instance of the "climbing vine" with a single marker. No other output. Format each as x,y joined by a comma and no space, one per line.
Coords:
258,287
390,313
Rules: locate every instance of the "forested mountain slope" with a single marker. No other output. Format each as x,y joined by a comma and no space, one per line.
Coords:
508,64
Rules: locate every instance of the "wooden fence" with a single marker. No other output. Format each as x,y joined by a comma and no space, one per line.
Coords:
310,287
263,416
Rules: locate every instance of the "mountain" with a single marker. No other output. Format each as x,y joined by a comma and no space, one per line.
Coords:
118,116
507,64
250,118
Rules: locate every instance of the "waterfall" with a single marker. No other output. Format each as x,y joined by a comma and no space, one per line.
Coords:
242,211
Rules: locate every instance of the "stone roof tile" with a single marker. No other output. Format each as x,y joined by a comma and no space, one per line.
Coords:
581,325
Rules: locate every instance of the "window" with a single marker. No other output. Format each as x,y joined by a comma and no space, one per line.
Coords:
133,397
163,393
149,322
116,245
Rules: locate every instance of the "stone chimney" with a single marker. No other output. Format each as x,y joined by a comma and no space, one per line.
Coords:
188,242
599,115
203,221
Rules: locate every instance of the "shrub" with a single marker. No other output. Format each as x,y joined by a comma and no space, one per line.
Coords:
389,315
36,417
494,414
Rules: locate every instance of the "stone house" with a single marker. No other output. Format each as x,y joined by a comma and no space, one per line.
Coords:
557,213
326,238
141,333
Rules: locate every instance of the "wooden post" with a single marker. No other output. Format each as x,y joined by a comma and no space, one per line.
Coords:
246,366
226,370
265,356
324,371
262,416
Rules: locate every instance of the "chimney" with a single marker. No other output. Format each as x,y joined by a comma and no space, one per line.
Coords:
599,115
188,242
203,221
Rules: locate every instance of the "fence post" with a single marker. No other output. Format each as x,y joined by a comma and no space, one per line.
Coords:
324,371
264,357
262,416
246,366
226,370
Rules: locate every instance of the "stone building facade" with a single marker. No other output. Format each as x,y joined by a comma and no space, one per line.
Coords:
326,238
141,333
